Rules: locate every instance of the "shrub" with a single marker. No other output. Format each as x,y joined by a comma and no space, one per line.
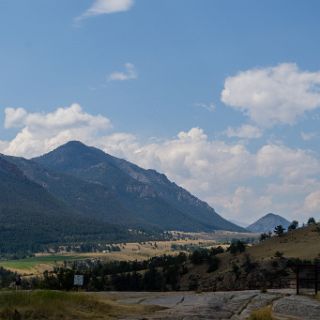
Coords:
278,254
237,247
279,230
214,263
293,225
311,221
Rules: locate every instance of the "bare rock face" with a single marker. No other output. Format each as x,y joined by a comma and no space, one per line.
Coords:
236,305
298,307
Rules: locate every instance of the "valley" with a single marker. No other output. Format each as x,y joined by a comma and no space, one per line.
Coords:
181,242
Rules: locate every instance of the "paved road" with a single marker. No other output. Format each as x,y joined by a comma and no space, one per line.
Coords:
223,305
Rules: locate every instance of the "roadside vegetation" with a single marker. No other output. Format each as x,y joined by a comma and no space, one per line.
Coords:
262,314
53,305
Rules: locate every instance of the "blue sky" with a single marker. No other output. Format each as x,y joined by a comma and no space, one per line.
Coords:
176,85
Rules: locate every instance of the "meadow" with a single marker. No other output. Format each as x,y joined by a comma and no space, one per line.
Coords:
37,263
182,242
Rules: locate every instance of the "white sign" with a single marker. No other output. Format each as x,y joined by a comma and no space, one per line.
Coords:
78,280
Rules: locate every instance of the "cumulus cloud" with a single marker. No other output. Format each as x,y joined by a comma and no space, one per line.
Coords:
106,7
273,95
240,183
312,202
244,132
130,73
41,132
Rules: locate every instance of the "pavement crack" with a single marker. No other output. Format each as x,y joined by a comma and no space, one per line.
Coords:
247,304
179,302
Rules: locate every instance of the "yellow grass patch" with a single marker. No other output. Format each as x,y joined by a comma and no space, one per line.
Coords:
53,305
262,314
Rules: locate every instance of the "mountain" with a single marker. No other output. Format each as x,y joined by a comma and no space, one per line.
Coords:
139,197
31,217
78,194
268,223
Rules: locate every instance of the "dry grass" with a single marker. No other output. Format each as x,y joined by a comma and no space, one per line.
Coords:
303,243
129,252
262,314
53,305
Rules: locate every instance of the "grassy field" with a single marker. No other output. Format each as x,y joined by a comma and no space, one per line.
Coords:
303,243
129,251
53,305
37,263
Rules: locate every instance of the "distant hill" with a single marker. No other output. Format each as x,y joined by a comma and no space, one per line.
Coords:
268,223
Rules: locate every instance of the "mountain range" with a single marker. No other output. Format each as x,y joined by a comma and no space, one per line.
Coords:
76,193
267,223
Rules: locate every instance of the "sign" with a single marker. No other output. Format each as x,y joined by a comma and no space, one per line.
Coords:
78,280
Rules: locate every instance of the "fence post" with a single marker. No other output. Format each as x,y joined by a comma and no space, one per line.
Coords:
316,268
298,280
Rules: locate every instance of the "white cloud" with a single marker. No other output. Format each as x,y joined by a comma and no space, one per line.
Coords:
312,202
41,132
307,136
130,73
14,117
239,183
207,106
106,7
244,132
274,95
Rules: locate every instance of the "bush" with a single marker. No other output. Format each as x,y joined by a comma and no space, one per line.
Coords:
237,247
214,263
311,221
199,256
278,254
279,230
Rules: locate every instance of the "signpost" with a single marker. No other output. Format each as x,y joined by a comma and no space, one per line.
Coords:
78,280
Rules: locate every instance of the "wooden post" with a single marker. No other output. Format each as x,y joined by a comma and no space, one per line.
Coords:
298,280
316,268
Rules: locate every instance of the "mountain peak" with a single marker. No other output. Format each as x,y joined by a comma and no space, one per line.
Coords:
150,197
268,222
74,143
72,155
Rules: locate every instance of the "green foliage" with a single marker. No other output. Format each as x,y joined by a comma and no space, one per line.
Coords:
214,263
293,225
6,277
156,274
278,254
237,247
279,230
311,221
265,236
200,256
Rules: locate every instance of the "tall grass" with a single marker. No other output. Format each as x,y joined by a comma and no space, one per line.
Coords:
262,314
53,305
